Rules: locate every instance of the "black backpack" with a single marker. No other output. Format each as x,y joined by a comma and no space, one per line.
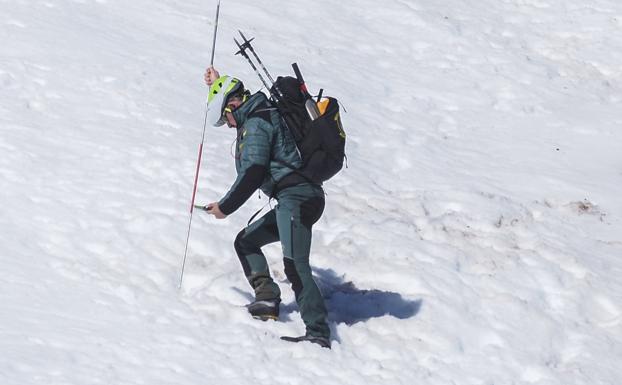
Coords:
321,142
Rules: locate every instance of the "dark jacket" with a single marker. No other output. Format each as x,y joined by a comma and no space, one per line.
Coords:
265,152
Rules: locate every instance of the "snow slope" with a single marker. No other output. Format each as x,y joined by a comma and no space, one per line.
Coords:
474,238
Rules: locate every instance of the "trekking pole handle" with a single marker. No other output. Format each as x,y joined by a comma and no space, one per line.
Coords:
242,52
310,105
303,86
297,72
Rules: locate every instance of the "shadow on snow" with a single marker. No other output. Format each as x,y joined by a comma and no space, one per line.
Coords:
348,304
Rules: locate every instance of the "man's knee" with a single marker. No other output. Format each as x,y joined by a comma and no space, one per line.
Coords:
238,244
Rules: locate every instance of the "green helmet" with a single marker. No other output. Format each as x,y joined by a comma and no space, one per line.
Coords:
219,94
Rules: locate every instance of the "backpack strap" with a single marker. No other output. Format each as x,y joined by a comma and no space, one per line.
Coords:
296,177
262,111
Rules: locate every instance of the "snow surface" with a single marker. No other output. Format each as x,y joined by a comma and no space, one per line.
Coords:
474,239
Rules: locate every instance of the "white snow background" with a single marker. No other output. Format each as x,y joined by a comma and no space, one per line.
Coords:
475,237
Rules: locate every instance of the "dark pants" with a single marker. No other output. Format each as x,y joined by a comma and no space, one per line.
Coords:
290,222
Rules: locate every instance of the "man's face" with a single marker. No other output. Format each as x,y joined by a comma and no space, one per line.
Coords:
231,106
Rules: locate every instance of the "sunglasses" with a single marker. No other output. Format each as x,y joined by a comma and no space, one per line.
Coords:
229,108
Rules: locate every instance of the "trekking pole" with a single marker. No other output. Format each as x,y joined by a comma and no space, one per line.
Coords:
196,175
242,51
247,43
275,92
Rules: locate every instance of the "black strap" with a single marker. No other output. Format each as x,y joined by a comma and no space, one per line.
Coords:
258,211
265,106
254,215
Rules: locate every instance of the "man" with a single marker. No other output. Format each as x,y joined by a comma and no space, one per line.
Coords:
265,158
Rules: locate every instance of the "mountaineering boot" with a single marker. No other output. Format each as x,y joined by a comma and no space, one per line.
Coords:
264,309
322,341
